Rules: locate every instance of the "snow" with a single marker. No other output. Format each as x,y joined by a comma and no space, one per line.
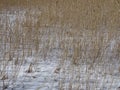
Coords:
43,77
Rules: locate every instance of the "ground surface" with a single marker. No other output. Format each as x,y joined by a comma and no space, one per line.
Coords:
52,72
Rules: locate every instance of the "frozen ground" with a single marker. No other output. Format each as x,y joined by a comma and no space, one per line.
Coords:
53,73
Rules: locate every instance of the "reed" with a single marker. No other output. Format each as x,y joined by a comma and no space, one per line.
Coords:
83,31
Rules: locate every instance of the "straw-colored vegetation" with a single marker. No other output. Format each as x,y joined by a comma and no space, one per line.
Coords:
84,31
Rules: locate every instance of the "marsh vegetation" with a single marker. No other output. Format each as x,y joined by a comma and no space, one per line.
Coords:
59,45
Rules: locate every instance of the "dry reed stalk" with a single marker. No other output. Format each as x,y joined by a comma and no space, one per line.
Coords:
92,16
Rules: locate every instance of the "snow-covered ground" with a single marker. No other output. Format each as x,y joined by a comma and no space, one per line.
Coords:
53,73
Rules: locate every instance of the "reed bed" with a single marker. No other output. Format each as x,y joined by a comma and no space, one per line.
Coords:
84,33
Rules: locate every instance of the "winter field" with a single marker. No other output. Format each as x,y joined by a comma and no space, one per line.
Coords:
38,52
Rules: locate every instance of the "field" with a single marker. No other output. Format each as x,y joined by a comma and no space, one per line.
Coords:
60,45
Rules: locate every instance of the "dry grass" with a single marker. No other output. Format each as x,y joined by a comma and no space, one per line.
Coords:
83,31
